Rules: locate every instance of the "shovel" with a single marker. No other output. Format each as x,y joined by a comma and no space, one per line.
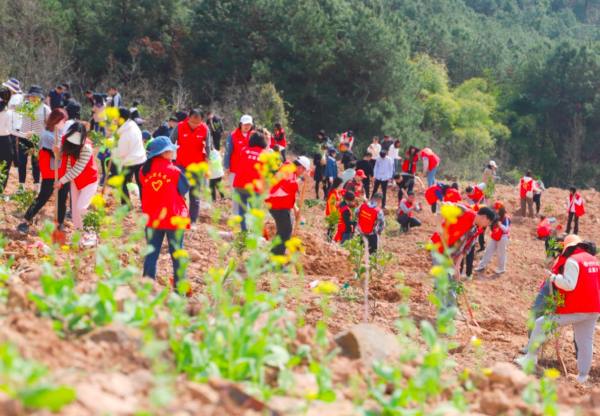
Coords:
58,236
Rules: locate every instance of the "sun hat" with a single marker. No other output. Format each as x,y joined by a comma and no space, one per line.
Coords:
160,145
35,90
14,85
246,119
493,164
303,161
75,138
571,240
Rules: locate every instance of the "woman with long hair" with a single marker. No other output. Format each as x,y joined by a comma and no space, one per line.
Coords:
6,148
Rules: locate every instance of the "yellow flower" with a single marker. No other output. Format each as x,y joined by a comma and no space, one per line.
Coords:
475,342
180,253
487,372
450,213
326,288
112,113
65,248
551,373
255,212
234,222
437,271
198,168
98,201
288,168
116,181
180,222
109,142
294,245
280,260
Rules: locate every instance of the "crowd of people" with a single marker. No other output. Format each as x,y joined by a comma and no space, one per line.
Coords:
46,132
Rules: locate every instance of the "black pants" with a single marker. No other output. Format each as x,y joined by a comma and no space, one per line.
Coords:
373,242
6,160
25,152
407,222
215,185
468,262
570,220
434,208
537,201
321,182
216,141
482,240
367,187
15,151
408,183
129,172
46,190
283,223
384,185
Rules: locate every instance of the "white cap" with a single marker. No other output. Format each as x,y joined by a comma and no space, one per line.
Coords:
304,162
493,164
74,138
246,119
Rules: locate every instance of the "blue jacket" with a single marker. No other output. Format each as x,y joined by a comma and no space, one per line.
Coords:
331,169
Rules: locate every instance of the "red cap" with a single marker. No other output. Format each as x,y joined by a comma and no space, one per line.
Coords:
361,174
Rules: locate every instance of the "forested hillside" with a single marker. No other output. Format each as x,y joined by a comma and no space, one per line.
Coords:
517,80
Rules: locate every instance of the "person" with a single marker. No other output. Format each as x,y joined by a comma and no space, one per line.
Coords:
89,97
452,194
114,98
526,195
409,169
435,193
371,221
489,173
354,185
55,98
234,143
349,173
192,136
247,173
282,201
331,168
347,139
374,149
334,197
216,173
346,221
6,148
346,156
130,154
215,124
547,229
431,164
319,162
323,139
394,154
56,121
98,113
575,210
31,125
15,101
579,286
79,167
475,194
279,139
457,239
383,172
538,189
163,201
166,129
366,167
406,211
135,113
499,243
386,143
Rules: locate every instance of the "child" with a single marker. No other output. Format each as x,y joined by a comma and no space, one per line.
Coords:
215,168
331,205
499,243
79,167
406,213
164,187
452,194
371,221
346,222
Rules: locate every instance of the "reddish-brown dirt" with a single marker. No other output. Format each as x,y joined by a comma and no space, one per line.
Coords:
500,304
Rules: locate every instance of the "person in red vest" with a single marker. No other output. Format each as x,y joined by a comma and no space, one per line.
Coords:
278,138
408,171
346,222
575,209
192,136
163,202
435,193
282,200
371,221
499,243
47,163
334,198
235,142
526,195
458,240
452,194
579,286
347,138
431,164
247,175
475,195
406,213
78,167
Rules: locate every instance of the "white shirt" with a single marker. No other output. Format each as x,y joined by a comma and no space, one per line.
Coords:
394,153
130,149
15,101
374,149
5,123
568,280
384,169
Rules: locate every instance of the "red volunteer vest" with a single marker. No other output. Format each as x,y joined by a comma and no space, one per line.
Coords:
497,232
432,194
409,205
89,174
44,158
544,229
525,186
247,171
407,167
283,193
453,232
334,197
367,217
477,195
278,139
452,195
192,144
579,209
238,141
434,159
161,200
341,229
585,298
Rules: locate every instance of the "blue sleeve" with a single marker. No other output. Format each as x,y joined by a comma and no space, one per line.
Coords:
183,186
228,152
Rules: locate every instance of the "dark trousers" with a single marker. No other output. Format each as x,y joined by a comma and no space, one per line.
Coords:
216,138
468,262
244,197
6,160
572,217
321,182
373,242
215,185
434,208
25,152
407,222
367,187
283,223
129,172
384,185
15,150
154,238
481,240
46,190
537,201
347,236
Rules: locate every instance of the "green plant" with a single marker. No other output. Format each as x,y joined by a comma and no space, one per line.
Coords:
23,199
310,203
92,221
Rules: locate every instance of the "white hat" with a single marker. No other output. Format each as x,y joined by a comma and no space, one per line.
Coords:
493,164
246,119
75,138
304,162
